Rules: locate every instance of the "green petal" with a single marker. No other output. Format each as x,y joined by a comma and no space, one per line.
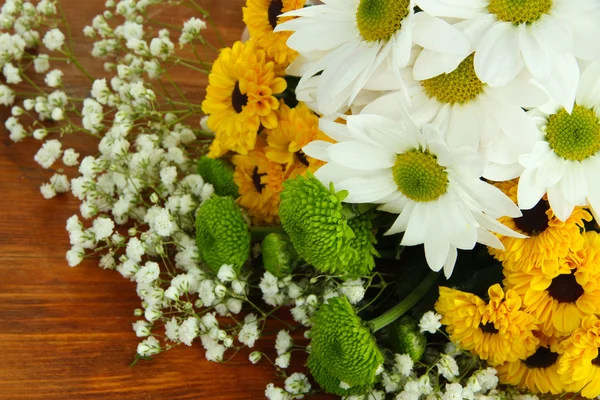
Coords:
219,174
222,235
344,347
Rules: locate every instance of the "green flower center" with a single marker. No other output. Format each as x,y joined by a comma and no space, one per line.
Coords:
459,86
419,176
519,11
380,19
574,136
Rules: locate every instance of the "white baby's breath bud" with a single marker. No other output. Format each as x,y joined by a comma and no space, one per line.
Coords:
54,39
220,291
312,300
228,342
46,7
298,384
47,191
234,305
154,198
430,322
226,273
149,347
255,357
12,74
50,151
41,63
138,312
152,314
40,133
239,287
75,255
70,157
7,96
283,361
141,328
58,114
283,342
191,30
54,78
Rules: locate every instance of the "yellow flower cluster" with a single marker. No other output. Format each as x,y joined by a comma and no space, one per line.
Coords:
245,108
540,332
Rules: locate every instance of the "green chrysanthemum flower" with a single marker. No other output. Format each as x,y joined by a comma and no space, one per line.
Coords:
317,223
407,338
219,174
222,234
362,261
343,348
279,255
330,383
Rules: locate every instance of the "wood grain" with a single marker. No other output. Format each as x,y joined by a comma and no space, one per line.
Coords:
66,332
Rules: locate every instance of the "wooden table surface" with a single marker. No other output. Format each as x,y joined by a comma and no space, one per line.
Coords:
66,332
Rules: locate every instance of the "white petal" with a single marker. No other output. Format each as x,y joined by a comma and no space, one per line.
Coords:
335,130
586,31
588,93
497,58
369,190
559,204
416,230
464,129
450,262
317,149
536,57
401,222
529,192
332,172
436,34
430,64
361,156
573,184
551,171
488,239
538,156
553,33
519,92
562,86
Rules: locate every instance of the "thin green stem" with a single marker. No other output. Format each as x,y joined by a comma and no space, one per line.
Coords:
409,302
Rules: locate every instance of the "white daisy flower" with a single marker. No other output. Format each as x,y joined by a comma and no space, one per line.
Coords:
471,113
565,161
542,36
436,190
348,41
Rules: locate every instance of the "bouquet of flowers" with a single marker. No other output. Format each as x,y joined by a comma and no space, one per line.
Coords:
341,158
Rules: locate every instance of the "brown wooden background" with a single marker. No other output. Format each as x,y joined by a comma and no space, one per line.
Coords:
66,332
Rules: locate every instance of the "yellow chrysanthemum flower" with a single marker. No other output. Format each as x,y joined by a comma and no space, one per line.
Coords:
261,17
497,332
538,372
549,237
296,128
240,97
259,182
579,366
560,294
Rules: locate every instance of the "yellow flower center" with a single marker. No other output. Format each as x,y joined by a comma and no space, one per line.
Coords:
519,11
534,221
459,86
274,11
542,358
380,19
574,136
565,289
238,100
419,176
